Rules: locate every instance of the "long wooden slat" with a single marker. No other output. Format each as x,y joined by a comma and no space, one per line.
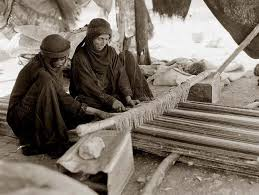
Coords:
218,108
214,126
246,166
203,132
205,128
194,138
204,164
226,119
164,144
207,164
203,155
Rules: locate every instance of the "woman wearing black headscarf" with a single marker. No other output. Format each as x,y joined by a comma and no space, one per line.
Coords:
40,111
101,77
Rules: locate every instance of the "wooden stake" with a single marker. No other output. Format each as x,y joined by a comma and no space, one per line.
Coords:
157,178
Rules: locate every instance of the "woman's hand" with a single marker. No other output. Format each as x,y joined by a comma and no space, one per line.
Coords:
94,111
131,102
103,115
118,106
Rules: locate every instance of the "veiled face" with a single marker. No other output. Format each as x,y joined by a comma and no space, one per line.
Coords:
101,41
58,63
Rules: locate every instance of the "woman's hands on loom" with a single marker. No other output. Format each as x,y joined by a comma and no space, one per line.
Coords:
93,111
131,102
118,106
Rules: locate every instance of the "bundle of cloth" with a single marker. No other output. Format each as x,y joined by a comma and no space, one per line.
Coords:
175,72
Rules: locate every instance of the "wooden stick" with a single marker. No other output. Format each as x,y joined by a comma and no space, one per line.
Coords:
251,122
199,139
251,166
157,178
219,108
84,129
168,145
240,48
209,129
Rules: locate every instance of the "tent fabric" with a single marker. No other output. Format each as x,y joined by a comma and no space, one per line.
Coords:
171,7
239,18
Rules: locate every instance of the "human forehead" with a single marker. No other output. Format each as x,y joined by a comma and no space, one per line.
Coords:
104,36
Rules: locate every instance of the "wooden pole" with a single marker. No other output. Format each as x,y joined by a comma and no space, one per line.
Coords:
198,139
207,128
157,178
240,48
120,16
142,21
87,128
251,122
219,108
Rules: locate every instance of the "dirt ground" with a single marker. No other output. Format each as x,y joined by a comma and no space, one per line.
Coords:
181,178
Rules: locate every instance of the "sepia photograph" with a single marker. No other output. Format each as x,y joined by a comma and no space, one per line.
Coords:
129,97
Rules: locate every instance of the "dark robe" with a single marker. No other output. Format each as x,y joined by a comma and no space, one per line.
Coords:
40,112
100,77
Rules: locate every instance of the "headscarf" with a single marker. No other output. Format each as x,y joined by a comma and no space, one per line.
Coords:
53,46
99,60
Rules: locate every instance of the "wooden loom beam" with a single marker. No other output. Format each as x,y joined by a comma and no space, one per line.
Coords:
199,139
84,129
218,108
207,129
224,119
232,161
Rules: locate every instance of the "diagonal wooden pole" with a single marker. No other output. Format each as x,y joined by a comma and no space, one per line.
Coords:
240,48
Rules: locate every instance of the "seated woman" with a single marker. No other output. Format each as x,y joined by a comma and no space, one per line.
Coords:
101,77
40,112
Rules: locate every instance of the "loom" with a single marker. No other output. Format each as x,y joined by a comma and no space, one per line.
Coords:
202,134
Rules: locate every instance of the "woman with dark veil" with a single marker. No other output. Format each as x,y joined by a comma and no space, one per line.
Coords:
101,77
40,112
